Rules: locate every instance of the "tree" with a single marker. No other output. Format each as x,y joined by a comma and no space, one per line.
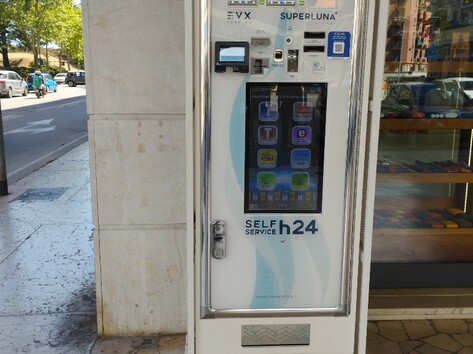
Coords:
7,12
37,24
69,36
34,22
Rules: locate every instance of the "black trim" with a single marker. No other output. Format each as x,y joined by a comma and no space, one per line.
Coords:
421,275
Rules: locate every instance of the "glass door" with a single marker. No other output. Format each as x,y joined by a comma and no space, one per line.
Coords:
423,218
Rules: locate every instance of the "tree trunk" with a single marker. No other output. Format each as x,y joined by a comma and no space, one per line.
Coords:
47,56
37,38
60,59
35,58
6,60
4,49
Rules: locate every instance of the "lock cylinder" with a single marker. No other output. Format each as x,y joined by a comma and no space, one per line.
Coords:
218,238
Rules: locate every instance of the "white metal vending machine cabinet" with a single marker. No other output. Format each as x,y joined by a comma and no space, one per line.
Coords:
278,111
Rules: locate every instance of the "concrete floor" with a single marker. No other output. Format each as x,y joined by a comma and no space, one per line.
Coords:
47,276
47,297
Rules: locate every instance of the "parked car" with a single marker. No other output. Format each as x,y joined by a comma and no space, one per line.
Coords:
465,83
12,84
60,78
425,100
51,85
76,77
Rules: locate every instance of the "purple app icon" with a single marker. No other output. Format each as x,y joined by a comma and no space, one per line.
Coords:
301,135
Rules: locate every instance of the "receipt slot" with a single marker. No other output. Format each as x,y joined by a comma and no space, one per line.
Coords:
279,171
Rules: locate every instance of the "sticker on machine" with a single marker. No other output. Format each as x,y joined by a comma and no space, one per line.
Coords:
318,65
267,226
339,44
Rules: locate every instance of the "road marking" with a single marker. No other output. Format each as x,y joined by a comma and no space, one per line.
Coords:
34,127
11,116
60,106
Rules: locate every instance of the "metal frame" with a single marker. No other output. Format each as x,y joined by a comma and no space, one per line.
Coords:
359,40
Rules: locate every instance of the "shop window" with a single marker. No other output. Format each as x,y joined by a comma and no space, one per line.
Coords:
424,190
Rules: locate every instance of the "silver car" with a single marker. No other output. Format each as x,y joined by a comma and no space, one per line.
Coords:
60,78
12,84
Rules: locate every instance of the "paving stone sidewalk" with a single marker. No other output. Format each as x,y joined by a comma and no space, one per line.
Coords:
420,337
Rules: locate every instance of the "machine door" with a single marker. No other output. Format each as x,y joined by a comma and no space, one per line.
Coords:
268,247
278,153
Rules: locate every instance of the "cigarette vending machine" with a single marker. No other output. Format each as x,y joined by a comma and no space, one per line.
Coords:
278,115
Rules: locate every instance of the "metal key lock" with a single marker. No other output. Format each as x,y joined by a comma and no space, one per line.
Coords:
218,237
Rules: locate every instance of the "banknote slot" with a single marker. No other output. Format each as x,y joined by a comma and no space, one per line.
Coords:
314,35
314,49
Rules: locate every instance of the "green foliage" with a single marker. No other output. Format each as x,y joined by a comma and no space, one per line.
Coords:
35,24
22,71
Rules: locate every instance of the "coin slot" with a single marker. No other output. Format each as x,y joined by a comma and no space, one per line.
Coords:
258,65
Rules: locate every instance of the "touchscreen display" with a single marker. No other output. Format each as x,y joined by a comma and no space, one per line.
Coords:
284,147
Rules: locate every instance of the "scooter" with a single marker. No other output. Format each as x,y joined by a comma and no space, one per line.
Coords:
40,91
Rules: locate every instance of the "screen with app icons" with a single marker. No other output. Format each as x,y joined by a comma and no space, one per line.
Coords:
284,147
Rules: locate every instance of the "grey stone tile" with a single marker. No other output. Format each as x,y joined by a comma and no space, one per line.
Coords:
140,345
50,212
40,277
450,326
393,330
13,233
429,349
373,327
445,342
410,345
418,329
425,337
47,334
465,339
377,344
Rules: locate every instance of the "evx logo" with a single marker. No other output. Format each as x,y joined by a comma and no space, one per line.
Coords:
238,15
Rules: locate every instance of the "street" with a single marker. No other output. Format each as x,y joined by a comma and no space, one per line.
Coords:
37,131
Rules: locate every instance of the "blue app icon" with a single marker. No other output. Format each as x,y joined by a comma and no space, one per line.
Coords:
268,111
300,158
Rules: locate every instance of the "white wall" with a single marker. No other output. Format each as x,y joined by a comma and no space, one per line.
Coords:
134,56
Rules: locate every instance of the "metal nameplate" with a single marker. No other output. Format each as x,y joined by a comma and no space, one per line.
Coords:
271,335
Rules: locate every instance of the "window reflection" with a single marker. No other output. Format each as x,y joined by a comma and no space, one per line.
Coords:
424,200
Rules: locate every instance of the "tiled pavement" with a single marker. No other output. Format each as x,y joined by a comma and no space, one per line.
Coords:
420,337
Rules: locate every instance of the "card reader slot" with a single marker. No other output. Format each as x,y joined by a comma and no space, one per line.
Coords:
314,49
314,35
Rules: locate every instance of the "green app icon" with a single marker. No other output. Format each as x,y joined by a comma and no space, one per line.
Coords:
300,181
266,181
